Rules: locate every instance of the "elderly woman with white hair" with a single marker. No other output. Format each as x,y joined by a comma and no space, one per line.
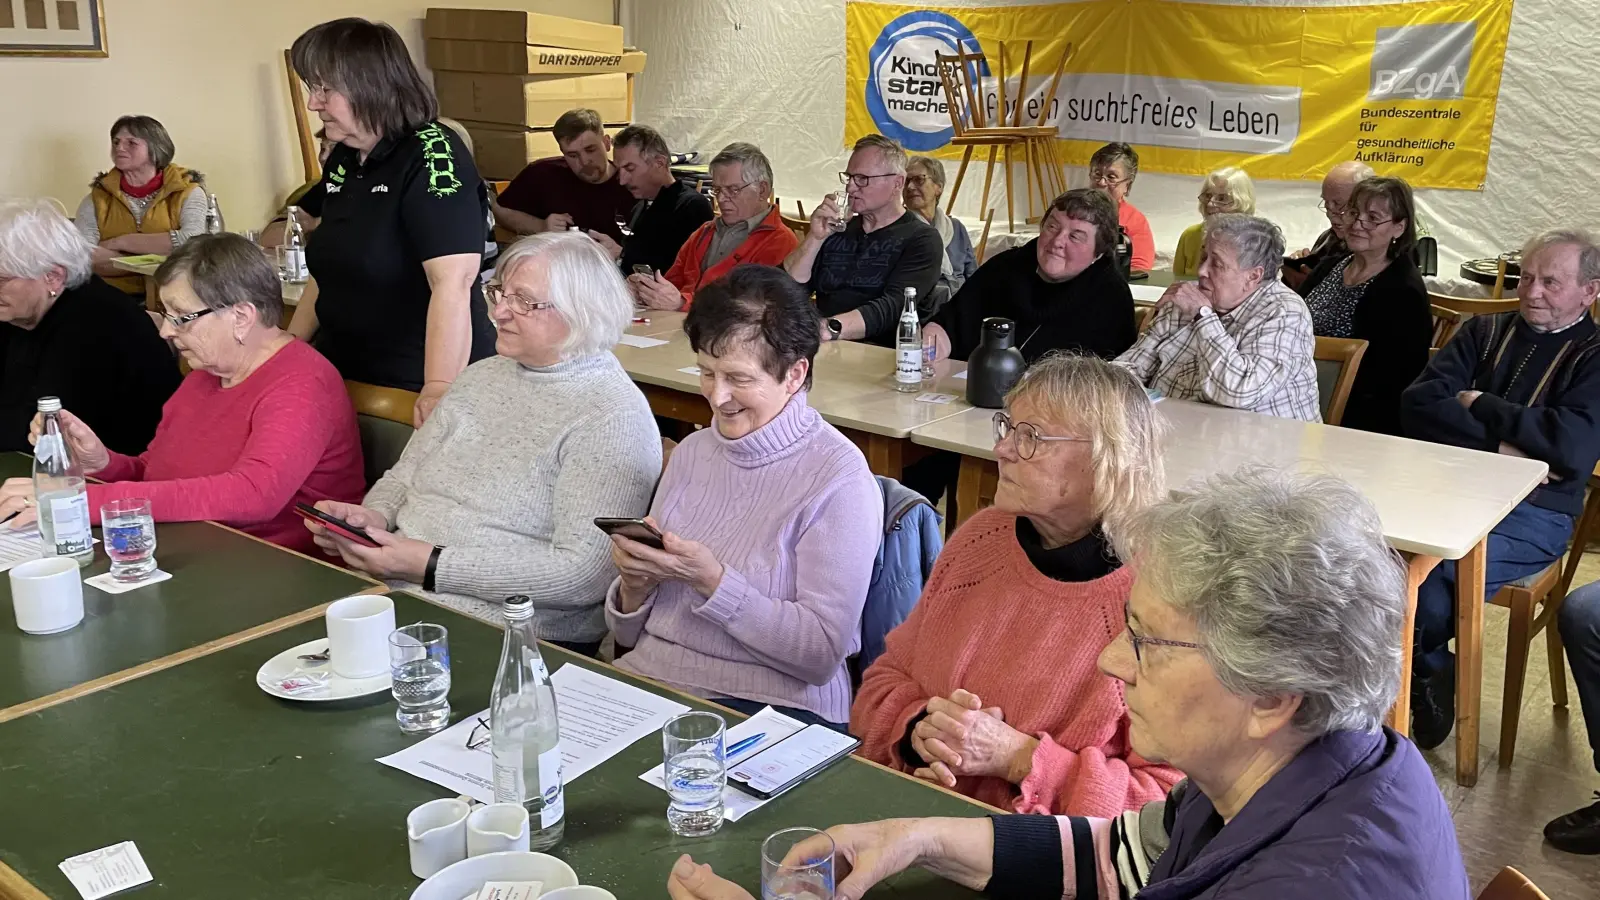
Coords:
1239,336
497,493
68,334
989,687
1226,190
924,187
1259,653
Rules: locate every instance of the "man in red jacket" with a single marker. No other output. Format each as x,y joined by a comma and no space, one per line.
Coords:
747,230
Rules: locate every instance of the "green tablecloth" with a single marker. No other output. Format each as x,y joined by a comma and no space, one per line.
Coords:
221,583
226,789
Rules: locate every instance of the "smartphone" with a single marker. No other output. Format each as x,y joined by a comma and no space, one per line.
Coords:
791,761
1296,263
644,270
335,524
632,529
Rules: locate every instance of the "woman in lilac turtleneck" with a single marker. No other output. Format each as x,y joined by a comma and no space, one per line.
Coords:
771,522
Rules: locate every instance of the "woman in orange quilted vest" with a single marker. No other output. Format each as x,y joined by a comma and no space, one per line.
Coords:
143,205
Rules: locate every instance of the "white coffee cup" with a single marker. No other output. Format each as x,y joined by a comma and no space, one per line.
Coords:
581,892
358,635
497,827
436,833
47,594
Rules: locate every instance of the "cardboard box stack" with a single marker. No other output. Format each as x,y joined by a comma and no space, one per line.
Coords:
507,75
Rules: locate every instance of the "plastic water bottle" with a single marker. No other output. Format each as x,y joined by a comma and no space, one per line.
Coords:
294,249
908,347
525,733
59,490
214,224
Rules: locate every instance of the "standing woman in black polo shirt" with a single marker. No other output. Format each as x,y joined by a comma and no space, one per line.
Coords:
394,298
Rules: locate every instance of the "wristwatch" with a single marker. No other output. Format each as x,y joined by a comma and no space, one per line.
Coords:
835,328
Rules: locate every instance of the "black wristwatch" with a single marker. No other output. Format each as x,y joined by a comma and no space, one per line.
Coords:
432,569
835,328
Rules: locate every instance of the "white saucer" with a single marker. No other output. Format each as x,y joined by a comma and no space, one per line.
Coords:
288,664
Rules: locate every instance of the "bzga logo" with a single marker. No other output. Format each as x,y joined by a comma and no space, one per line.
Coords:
1421,62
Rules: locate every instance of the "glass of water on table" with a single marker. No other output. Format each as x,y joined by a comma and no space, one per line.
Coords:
419,671
797,864
696,769
129,533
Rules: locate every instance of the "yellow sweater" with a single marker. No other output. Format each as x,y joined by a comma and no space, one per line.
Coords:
1186,259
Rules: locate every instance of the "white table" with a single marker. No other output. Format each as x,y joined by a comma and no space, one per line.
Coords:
852,388
1436,502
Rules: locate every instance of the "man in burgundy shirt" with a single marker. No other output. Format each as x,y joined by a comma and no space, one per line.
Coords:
578,188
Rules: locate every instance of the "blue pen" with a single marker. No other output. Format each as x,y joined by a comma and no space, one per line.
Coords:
743,745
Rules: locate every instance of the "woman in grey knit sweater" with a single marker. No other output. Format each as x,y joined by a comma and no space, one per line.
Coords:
497,493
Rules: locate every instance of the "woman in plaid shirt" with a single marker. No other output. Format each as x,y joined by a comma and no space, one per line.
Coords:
1237,337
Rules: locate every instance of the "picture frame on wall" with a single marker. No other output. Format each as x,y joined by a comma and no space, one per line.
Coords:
53,28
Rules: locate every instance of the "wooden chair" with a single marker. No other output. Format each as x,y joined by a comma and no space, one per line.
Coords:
1337,361
1472,306
384,417
1512,885
1143,316
798,226
1524,598
960,75
1446,322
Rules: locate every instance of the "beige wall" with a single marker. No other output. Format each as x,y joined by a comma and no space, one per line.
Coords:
211,71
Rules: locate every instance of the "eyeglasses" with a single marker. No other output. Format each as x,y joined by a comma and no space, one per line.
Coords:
497,294
1222,200
480,734
317,92
861,181
1369,221
180,321
1140,640
1107,177
916,181
1028,436
1336,213
729,192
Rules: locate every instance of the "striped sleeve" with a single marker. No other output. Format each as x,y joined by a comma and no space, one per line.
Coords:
1075,857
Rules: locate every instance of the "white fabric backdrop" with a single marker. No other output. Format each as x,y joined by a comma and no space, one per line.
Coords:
772,72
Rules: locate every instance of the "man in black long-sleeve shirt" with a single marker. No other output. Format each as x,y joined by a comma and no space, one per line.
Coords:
668,211
1524,383
860,274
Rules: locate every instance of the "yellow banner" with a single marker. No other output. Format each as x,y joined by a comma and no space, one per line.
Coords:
1283,92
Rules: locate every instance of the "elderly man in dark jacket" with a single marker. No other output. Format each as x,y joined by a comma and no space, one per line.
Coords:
1524,383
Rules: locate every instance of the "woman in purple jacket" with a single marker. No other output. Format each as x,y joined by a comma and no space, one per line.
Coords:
1260,656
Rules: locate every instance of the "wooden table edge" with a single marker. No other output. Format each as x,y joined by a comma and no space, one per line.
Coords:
669,689
15,887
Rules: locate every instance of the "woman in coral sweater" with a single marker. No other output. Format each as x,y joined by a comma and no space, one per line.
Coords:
262,421
990,687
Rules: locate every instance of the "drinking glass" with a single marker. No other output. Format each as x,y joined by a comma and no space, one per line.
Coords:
419,668
807,877
841,199
129,532
696,769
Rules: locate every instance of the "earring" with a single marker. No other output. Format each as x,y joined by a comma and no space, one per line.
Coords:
238,339
50,294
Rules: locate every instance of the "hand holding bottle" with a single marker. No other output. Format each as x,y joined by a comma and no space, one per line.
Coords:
85,446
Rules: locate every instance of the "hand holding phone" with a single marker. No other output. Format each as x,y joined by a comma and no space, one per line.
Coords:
634,529
335,524
646,271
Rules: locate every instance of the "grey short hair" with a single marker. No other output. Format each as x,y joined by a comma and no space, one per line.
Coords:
1588,251
1115,152
227,270
1291,586
583,283
930,167
1256,241
894,155
156,139
753,164
35,238
1105,403
645,139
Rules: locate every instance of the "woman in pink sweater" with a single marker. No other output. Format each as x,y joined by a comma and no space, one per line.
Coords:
262,421
990,687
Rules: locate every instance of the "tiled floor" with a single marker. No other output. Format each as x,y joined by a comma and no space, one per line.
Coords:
1500,820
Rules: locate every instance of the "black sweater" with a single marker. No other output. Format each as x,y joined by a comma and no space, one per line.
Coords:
100,354
1395,318
855,270
662,226
1541,395
1092,313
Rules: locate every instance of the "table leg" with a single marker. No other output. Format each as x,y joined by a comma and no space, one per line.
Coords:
885,455
152,294
969,488
1470,573
1417,569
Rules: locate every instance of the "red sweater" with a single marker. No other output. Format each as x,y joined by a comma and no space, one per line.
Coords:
990,623
243,455
769,244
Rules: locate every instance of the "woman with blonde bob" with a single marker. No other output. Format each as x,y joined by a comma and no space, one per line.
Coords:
1227,190
990,686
